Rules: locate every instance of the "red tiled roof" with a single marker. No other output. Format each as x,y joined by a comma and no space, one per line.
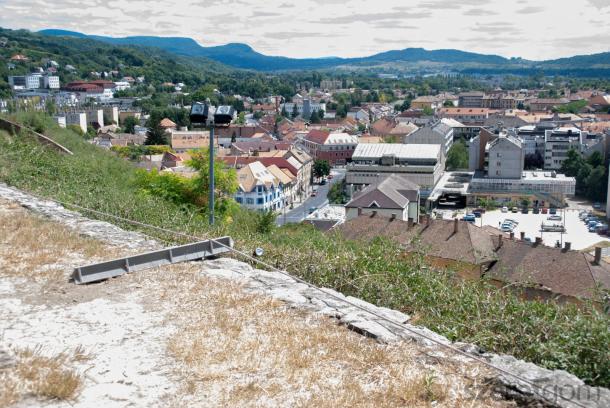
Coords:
317,136
166,123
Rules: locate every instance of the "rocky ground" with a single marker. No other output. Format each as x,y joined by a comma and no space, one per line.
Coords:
213,333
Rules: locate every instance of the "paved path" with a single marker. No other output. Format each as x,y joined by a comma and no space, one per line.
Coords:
299,213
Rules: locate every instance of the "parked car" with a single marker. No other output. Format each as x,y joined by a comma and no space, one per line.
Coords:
504,209
330,176
477,213
594,225
597,206
525,210
323,182
314,193
507,227
312,210
544,210
514,210
469,217
536,210
554,217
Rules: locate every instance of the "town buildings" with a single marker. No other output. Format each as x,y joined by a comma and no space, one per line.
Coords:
391,196
471,100
422,164
467,116
433,133
336,148
33,81
259,189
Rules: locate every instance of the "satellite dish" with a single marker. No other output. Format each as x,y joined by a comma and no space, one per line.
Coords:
258,252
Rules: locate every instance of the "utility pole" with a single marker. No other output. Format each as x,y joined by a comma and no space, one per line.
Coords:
211,192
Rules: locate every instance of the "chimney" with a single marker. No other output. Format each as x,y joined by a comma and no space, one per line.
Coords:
512,235
522,235
598,255
568,246
538,241
456,226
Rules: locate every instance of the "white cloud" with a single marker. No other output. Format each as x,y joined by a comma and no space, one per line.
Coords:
316,28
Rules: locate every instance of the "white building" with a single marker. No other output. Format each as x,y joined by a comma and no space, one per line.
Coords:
259,189
504,157
305,108
422,164
61,120
557,142
51,82
77,118
433,133
122,85
392,197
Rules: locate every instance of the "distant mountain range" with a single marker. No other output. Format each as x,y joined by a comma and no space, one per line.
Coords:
411,60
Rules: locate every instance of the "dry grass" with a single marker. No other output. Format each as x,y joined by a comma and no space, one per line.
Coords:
238,349
33,247
40,376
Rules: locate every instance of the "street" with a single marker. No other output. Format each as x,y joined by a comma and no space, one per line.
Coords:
299,213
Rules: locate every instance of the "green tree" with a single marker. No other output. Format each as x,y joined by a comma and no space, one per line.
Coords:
225,184
241,118
50,107
596,159
597,183
457,157
428,111
321,168
315,117
295,111
448,104
572,164
156,135
129,124
265,222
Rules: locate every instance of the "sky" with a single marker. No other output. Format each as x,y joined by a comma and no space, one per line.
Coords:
537,30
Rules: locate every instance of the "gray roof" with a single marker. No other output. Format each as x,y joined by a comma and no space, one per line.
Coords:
401,151
393,191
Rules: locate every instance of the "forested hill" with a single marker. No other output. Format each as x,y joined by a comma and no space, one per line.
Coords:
409,60
87,56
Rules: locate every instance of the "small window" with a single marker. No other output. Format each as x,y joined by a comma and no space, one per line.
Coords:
259,201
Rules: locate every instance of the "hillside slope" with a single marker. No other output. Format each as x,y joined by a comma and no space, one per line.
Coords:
556,336
88,55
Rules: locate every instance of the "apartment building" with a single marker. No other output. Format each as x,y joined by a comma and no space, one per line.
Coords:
557,142
470,99
422,164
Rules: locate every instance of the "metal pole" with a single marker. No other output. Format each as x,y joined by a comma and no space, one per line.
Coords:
211,199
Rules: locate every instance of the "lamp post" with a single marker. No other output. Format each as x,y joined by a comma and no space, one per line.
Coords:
211,178
222,116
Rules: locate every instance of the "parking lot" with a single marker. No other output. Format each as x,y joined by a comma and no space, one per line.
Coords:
576,230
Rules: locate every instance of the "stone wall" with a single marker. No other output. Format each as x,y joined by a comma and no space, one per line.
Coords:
379,323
